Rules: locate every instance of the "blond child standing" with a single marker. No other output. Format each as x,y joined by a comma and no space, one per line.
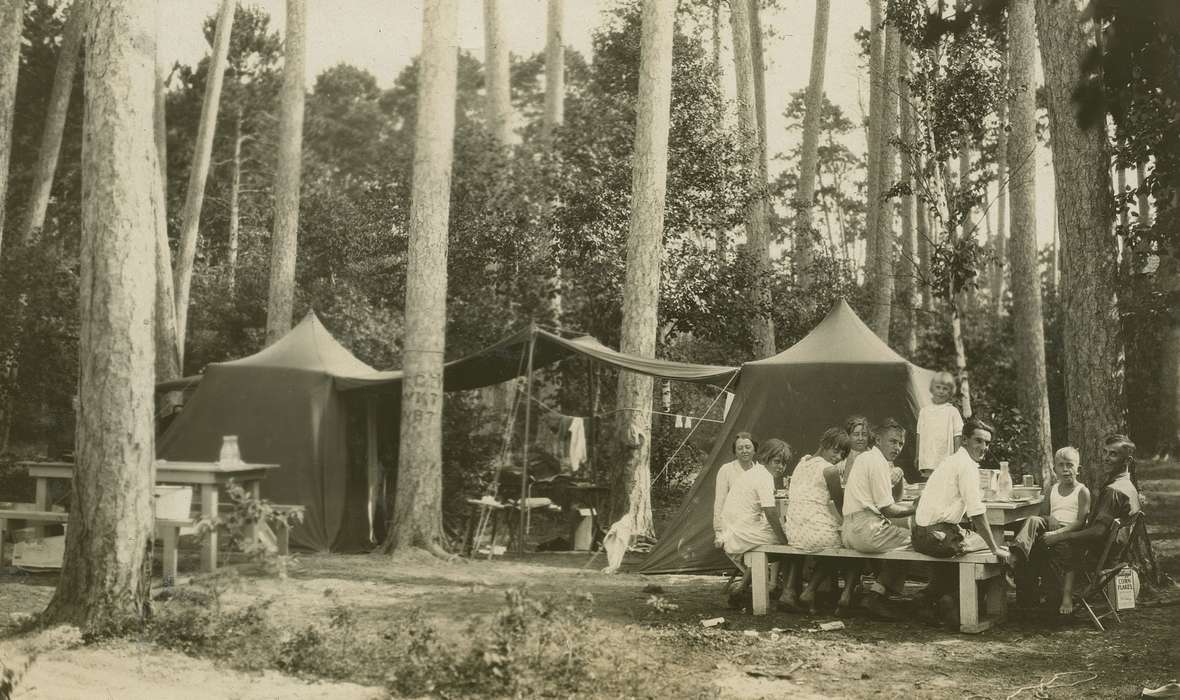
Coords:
940,425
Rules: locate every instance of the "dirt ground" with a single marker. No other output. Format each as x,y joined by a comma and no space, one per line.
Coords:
679,656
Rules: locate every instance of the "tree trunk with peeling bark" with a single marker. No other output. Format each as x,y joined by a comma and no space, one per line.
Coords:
288,175
105,574
1081,165
417,512
757,208
1027,318
498,105
809,155
12,14
631,477
190,215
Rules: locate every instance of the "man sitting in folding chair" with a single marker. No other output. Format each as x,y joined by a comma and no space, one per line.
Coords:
1117,502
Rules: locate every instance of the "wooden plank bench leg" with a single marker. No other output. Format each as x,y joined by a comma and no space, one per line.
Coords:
170,537
282,538
758,581
209,500
42,501
997,599
969,621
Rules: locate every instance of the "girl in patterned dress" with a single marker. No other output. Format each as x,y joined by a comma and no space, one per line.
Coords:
811,522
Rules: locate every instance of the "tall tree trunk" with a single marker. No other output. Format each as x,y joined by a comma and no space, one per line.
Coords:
1167,283
11,24
925,244
168,361
417,514
190,216
716,60
1001,242
809,157
757,209
721,235
497,82
1028,321
553,118
288,175
873,156
631,480
105,572
758,58
554,69
1081,164
906,280
965,213
886,171
51,132
235,204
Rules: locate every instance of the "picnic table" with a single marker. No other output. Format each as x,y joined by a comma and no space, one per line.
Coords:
207,477
1004,514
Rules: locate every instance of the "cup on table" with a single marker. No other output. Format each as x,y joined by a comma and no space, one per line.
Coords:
1028,480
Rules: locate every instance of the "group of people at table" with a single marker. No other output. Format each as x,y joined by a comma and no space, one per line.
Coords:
848,492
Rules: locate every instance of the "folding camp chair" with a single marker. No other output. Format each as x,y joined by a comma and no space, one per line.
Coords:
1119,542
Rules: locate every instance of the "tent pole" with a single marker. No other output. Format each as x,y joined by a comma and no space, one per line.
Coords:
372,466
528,414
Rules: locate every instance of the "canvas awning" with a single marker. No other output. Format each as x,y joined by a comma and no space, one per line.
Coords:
507,359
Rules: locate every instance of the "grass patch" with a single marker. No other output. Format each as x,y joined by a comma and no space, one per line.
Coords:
530,647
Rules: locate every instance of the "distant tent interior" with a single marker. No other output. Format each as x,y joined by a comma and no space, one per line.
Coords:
839,369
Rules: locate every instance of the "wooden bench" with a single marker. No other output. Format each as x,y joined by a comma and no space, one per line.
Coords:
37,516
975,569
169,532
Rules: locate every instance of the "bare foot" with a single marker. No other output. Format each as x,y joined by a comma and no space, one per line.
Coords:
789,600
1066,607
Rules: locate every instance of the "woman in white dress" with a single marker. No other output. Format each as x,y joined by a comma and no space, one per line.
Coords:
811,522
744,447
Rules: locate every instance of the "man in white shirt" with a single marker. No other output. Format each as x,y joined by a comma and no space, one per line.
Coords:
951,493
868,505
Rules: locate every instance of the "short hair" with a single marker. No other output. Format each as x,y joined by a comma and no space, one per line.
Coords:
744,436
852,421
947,377
887,425
1120,440
774,448
1068,450
834,438
973,424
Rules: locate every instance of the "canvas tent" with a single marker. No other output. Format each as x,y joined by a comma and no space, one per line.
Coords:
283,406
291,404
839,369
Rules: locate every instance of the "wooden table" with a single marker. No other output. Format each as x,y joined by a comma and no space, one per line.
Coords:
207,476
1002,514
